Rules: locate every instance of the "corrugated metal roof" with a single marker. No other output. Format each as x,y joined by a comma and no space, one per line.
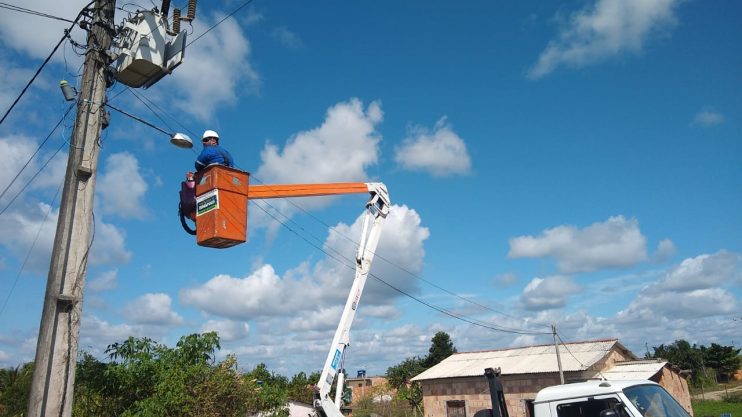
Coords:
525,360
634,370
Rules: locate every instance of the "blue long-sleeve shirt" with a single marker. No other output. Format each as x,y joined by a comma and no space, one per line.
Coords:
213,154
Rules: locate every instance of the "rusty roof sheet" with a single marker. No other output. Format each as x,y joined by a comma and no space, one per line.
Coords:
526,360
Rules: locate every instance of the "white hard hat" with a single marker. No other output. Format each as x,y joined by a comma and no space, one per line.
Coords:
210,134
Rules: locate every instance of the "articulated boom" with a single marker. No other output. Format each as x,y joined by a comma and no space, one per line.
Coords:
377,209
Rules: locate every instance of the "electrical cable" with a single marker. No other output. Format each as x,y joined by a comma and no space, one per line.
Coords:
38,71
2,194
585,367
401,268
15,8
30,250
220,22
140,120
427,304
32,178
143,97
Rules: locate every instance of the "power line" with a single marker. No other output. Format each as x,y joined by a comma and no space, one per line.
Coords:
15,8
143,98
38,71
427,304
401,268
138,119
35,152
32,178
30,250
220,22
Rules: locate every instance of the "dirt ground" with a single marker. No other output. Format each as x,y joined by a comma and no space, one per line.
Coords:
716,395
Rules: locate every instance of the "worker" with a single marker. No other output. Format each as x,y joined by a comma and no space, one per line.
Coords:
212,152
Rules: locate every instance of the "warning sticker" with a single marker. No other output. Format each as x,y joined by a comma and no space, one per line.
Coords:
207,202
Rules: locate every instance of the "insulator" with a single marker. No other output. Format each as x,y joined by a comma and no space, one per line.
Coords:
176,21
165,8
191,10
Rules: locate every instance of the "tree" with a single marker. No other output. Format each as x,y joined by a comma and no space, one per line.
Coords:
144,378
271,393
399,376
15,385
441,347
300,387
724,359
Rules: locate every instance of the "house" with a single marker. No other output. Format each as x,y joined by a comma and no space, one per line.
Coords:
457,386
363,385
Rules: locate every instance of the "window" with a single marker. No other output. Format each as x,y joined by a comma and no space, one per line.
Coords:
654,401
589,408
455,409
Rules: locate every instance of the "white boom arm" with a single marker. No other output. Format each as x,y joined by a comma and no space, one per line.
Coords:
377,209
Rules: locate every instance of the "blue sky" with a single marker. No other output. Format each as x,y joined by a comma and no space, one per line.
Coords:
576,163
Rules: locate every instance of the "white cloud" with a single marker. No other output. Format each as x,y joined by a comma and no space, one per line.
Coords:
153,308
693,304
702,272
604,29
617,242
286,37
548,293
109,245
665,250
690,290
440,152
17,149
228,330
340,149
96,333
121,187
34,225
325,318
106,281
317,293
216,70
708,118
507,279
35,35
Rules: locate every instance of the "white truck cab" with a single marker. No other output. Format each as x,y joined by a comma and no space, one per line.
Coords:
607,399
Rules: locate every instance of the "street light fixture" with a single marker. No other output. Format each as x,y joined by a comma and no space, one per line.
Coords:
181,140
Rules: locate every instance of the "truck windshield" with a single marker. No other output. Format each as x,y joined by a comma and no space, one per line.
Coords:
654,401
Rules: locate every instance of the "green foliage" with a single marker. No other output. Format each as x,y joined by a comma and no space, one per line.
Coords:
367,407
301,387
399,376
145,379
271,393
734,397
441,347
15,386
723,360
715,408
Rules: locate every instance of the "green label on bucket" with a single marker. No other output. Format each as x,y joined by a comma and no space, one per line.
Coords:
207,202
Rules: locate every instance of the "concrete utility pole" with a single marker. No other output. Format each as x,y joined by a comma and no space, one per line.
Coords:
559,358
56,349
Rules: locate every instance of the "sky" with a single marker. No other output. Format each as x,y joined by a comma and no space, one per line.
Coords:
571,163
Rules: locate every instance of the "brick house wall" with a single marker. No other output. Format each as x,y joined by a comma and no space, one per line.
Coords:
365,386
676,385
474,392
